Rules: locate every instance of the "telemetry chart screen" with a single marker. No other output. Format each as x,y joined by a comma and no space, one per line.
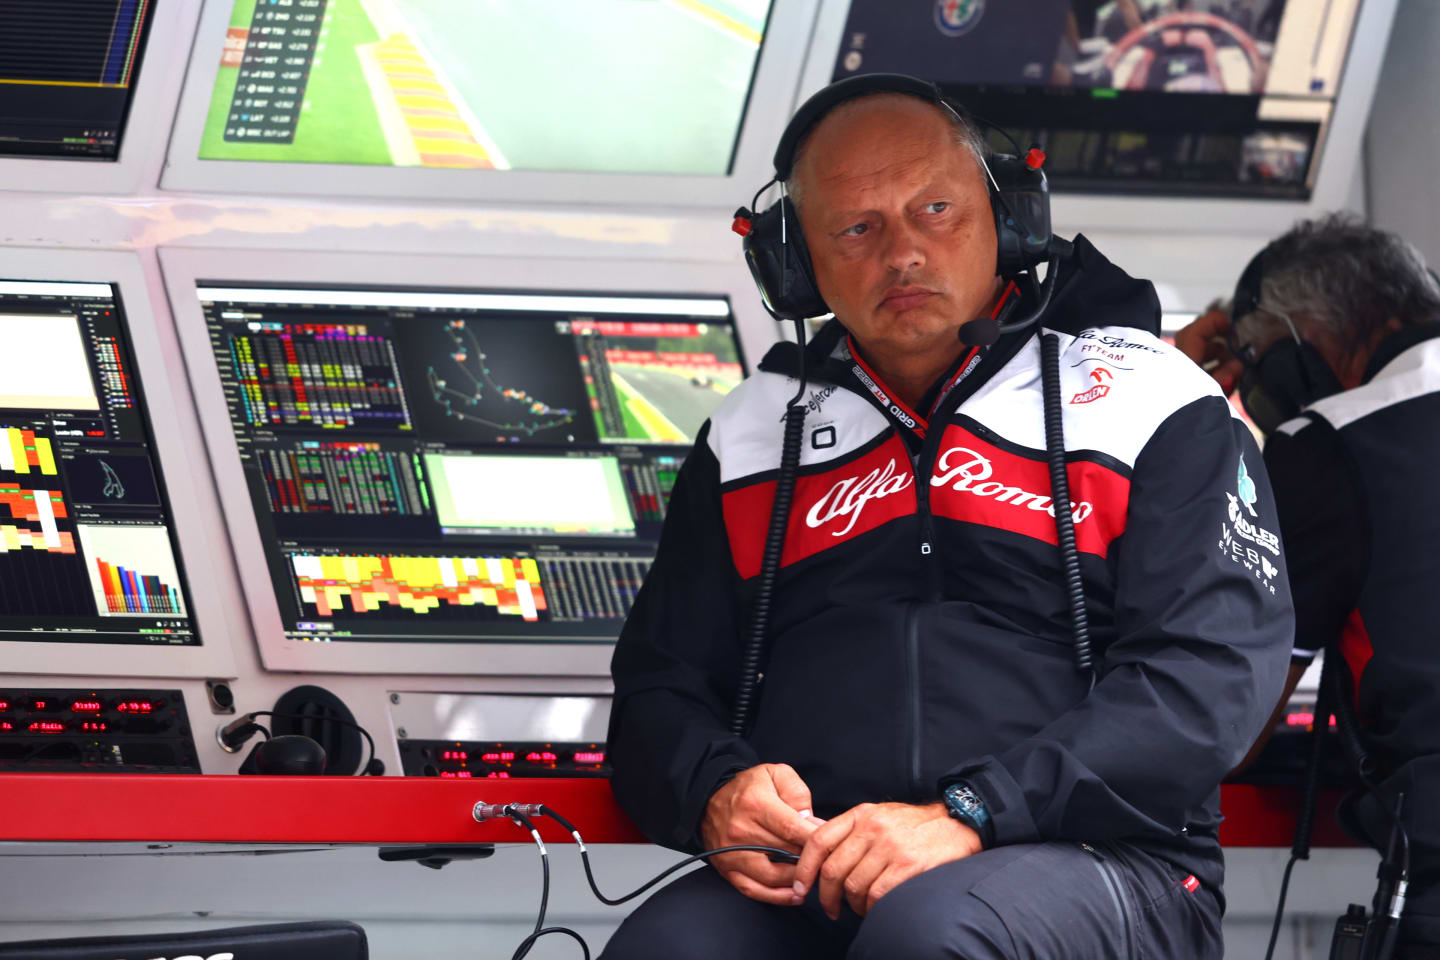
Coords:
608,86
67,70
87,553
437,466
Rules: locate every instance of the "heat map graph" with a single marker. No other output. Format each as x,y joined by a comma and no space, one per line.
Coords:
40,507
333,376
499,586
20,450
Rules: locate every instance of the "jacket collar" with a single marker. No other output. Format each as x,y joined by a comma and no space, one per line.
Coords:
1396,344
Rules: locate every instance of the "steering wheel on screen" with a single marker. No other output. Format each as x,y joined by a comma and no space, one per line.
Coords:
1148,55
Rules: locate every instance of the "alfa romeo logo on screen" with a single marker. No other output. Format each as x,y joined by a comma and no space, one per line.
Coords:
958,17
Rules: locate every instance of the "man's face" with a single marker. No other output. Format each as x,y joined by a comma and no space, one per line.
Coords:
897,218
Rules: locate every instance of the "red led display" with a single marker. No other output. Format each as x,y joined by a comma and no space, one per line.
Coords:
94,726
456,774
136,706
536,756
86,706
4,704
497,775
454,755
47,726
1303,720
504,756
39,704
589,756
6,725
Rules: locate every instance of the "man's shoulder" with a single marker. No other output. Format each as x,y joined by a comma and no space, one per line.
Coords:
748,427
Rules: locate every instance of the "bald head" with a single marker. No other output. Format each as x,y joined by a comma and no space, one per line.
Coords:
886,115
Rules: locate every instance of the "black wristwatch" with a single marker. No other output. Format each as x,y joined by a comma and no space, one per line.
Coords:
966,806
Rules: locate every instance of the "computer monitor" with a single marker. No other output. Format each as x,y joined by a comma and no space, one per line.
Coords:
453,479
96,486
1211,97
1225,101
487,100
67,72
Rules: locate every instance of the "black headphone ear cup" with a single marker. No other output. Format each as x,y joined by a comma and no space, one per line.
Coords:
1021,207
779,260
1321,379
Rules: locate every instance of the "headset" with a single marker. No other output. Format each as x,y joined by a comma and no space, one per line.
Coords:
1290,375
774,243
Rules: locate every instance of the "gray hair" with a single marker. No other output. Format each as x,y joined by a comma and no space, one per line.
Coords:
1349,278
966,134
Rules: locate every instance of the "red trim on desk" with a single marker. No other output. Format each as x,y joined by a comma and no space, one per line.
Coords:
234,809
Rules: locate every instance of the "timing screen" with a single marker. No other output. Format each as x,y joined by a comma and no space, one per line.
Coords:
623,86
87,553
1177,96
66,74
462,466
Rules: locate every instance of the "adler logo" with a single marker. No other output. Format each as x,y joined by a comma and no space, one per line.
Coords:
849,497
971,473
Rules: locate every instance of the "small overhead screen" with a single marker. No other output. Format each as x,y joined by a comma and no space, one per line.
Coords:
1174,97
457,467
67,70
87,546
600,86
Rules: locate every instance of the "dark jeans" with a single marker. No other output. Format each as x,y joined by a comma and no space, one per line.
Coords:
1047,901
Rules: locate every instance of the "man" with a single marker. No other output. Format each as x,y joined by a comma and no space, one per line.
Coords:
920,638
1343,322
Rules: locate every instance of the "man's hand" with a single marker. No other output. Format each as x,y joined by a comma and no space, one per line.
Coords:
871,849
766,805
1203,340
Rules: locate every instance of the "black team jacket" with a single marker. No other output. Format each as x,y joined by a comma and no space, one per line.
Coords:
921,632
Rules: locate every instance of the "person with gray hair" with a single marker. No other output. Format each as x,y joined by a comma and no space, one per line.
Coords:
1333,343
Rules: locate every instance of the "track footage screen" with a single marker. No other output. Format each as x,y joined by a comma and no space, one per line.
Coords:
461,467
87,553
1181,97
610,86
67,71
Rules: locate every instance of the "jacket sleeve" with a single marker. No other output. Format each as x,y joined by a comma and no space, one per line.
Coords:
676,668
1323,523
1203,628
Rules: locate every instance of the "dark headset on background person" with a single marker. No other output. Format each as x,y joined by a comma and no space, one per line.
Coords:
774,243
1275,385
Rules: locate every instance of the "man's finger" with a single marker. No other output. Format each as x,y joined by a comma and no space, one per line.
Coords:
835,872
785,822
1193,339
780,897
818,847
1228,374
862,876
757,867
891,878
791,789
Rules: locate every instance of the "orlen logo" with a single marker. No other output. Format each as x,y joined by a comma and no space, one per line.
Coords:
971,474
849,497
1091,395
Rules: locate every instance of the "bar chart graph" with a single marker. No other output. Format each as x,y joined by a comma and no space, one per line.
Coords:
132,570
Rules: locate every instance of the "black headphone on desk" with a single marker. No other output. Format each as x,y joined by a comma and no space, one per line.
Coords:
774,244
1290,375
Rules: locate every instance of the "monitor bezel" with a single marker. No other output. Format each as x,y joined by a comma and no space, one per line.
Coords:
185,268
147,127
771,96
176,434
1339,157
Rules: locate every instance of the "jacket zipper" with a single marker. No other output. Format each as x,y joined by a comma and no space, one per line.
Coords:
1114,886
912,671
